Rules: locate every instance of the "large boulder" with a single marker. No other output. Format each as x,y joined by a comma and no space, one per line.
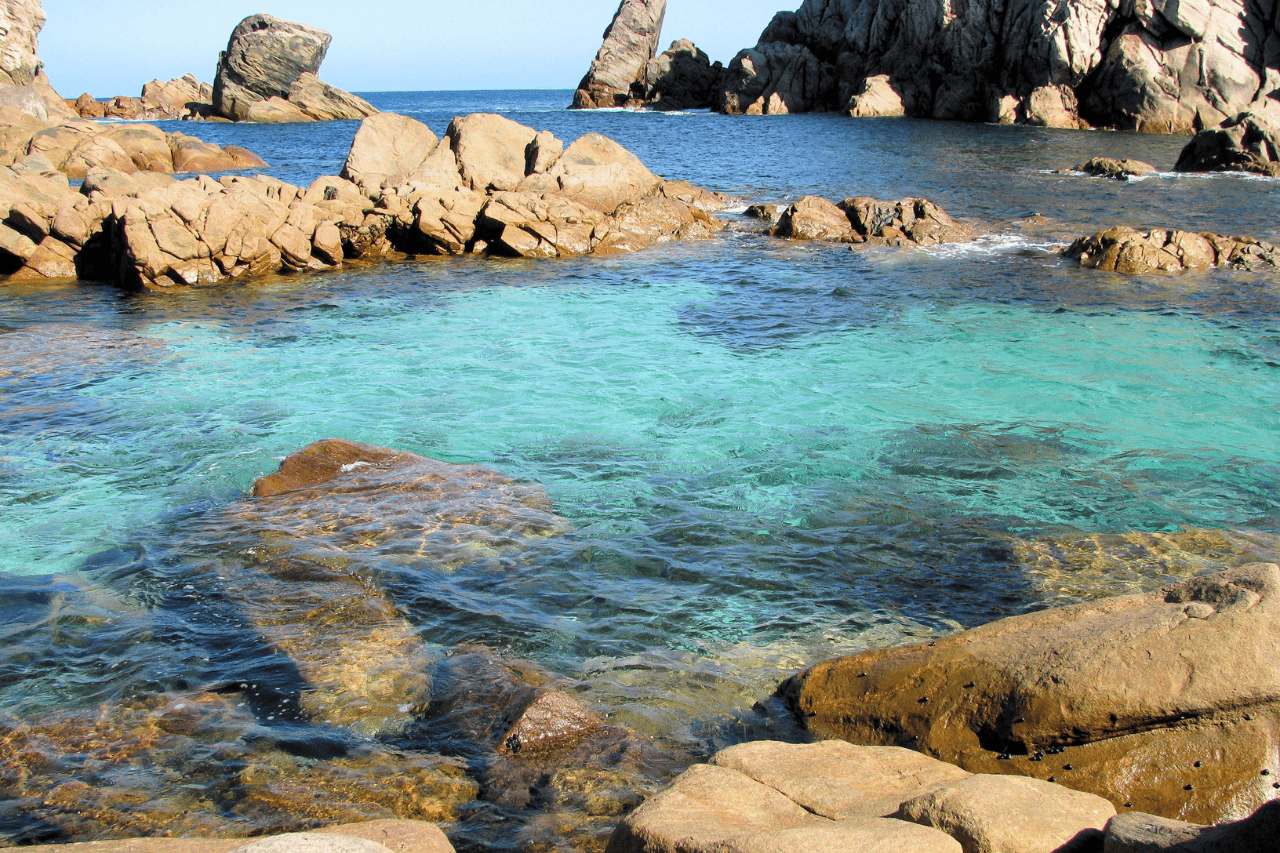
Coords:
1249,142
909,222
1162,65
776,78
681,78
20,65
387,146
267,58
1133,252
630,41
1128,697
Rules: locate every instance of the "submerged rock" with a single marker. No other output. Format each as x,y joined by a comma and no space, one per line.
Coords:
630,41
911,221
1124,697
269,59
1133,252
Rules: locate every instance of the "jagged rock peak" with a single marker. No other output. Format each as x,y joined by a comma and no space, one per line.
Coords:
20,24
629,43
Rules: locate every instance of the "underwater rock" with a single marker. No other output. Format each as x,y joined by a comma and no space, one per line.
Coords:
630,41
44,348
266,58
1133,252
1125,697
911,221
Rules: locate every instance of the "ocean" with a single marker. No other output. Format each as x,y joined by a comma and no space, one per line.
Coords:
767,453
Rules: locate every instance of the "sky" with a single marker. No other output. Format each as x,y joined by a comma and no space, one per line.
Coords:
113,48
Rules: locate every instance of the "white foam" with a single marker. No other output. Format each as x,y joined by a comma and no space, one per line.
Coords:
354,466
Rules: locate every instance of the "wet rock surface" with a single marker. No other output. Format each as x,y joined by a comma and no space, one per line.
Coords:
630,41
1117,169
1144,833
268,74
1120,697
1133,252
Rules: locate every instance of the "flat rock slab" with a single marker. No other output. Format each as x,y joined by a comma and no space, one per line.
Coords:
306,842
838,780
875,835
398,836
1013,814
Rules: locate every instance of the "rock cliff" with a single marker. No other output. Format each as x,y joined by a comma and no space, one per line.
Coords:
268,74
23,83
1153,65
629,43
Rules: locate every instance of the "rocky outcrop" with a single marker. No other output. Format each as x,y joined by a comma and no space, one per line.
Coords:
764,796
1133,252
911,221
181,98
22,77
682,78
630,41
1154,65
876,98
1249,142
491,186
268,74
1125,697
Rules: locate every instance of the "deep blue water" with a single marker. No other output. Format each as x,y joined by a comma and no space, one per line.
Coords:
768,452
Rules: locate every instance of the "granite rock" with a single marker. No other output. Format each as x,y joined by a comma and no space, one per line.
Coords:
1248,142
630,41
1133,252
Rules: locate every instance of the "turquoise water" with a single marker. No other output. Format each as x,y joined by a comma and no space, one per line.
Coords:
767,452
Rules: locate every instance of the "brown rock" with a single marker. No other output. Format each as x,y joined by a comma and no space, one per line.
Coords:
387,146
704,807
1248,142
543,153
682,78
865,836
775,78
491,151
1012,814
446,219
630,41
321,102
52,259
275,110
1132,252
1141,833
813,218
524,224
306,842
596,172
1117,169
875,96
1128,687
840,781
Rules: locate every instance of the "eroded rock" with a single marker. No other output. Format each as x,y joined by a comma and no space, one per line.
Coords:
1116,168
630,41
911,221
1121,697
269,58
1133,252
682,78
1249,142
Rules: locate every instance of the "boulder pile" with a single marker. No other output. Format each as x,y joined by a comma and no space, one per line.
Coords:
491,186
909,222
181,98
268,74
1133,252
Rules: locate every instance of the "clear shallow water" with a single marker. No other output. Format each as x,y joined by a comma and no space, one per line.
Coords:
769,453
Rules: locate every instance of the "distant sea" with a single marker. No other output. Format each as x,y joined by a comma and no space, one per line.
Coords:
768,452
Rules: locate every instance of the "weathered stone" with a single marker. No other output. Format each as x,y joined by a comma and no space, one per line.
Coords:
630,41
1117,169
596,172
1132,252
706,806
876,97
682,78
268,73
775,78
1249,142
308,842
529,225
491,151
813,218
909,221
1122,697
1013,814
52,259
865,836
543,152
387,146
840,781
1142,833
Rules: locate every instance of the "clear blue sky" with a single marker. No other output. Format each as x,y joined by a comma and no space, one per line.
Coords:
112,48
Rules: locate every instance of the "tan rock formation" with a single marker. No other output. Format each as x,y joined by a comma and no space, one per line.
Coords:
1132,252
630,41
911,221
